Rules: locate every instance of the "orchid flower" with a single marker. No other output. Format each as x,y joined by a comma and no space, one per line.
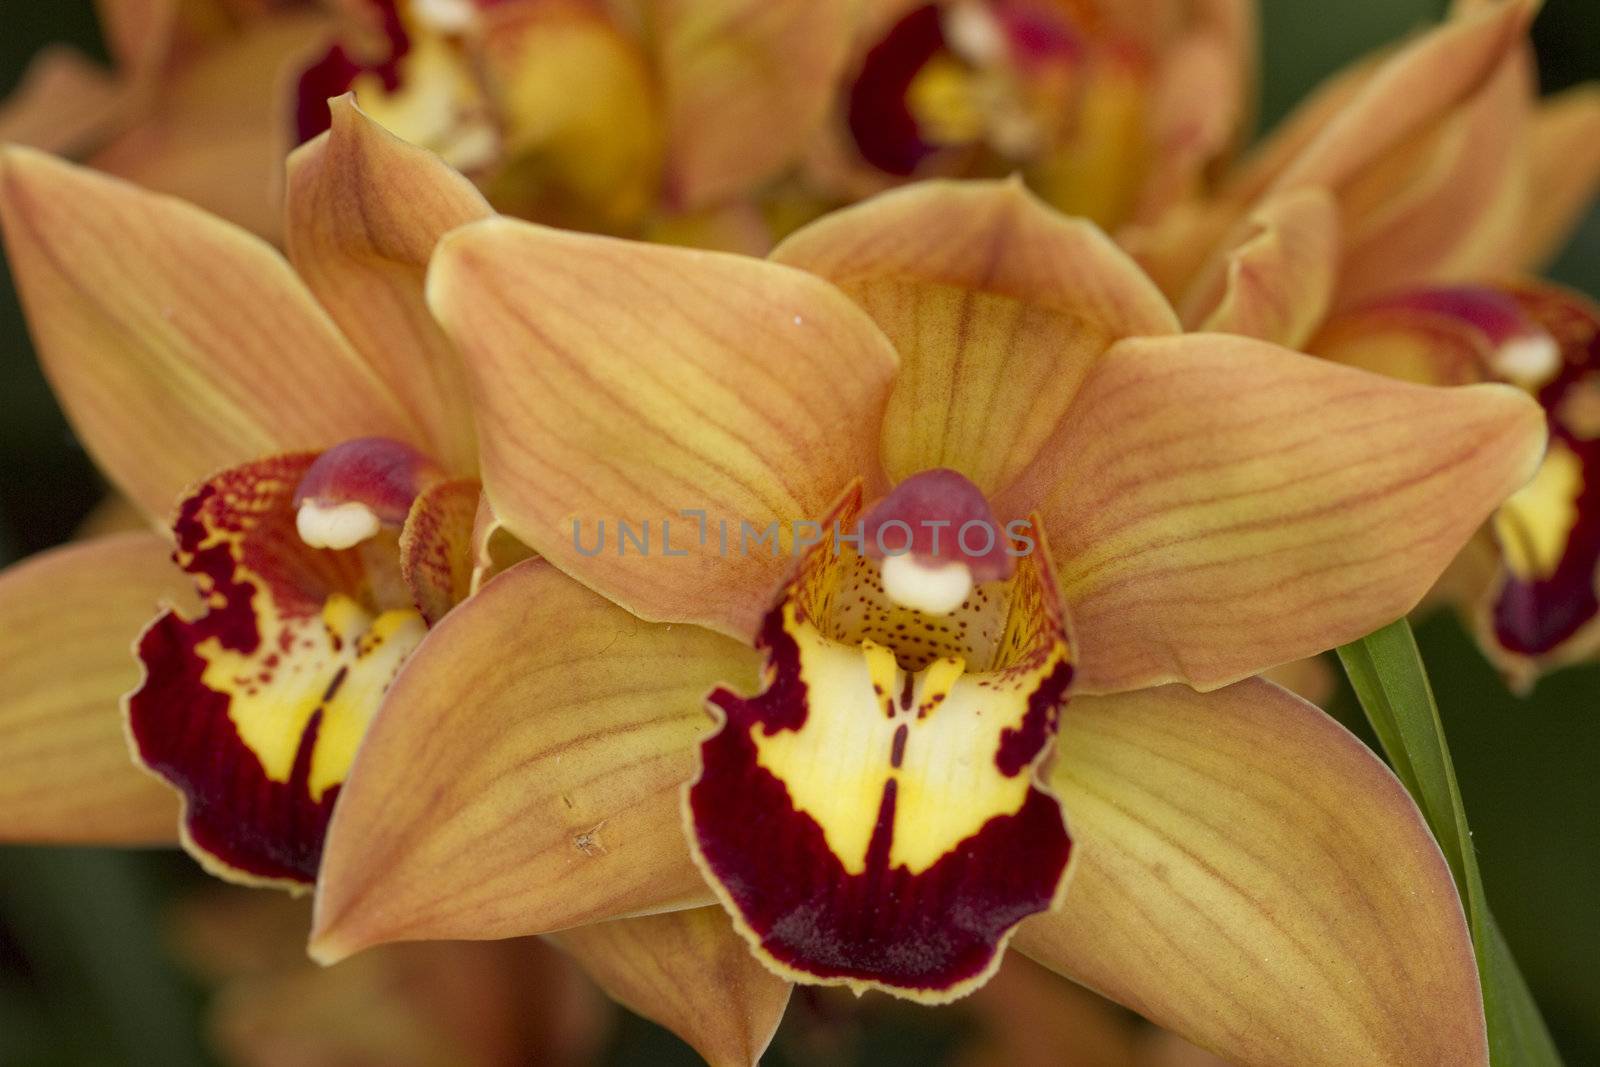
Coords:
190,107
894,785
616,116
1394,243
304,436
590,113
1111,111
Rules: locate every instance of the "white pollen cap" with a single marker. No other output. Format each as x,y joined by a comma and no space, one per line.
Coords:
974,34
445,16
938,589
336,526
1530,359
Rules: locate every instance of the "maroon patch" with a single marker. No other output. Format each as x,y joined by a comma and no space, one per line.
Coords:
879,119
926,932
236,537
335,73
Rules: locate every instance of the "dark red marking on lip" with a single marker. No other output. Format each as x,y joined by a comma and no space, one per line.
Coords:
941,927
877,114
335,73
908,691
924,932
897,754
181,727
1020,746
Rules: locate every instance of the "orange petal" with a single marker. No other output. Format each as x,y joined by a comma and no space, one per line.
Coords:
1420,148
998,307
1195,111
520,787
1564,154
1278,282
138,33
177,343
691,396
1219,505
1449,204
64,104
1253,878
690,972
365,210
216,132
746,83
1403,95
68,622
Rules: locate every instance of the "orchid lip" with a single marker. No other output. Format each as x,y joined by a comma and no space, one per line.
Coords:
891,830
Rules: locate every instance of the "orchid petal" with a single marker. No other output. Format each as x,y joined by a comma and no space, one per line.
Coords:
365,210
64,104
1531,582
139,34
1278,282
215,133
1219,505
1416,121
998,307
746,84
1195,111
1564,154
68,622
689,971
1449,204
689,395
177,343
554,764
1386,107
1253,878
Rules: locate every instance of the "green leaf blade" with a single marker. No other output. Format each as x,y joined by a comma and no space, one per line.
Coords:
1385,669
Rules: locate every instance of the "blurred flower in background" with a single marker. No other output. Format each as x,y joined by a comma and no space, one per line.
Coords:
190,106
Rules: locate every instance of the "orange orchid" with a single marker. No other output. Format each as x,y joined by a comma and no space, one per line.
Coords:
1400,241
592,113
305,432
1113,111
619,116
887,803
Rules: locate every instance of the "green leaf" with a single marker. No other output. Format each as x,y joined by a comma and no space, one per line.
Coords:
1386,671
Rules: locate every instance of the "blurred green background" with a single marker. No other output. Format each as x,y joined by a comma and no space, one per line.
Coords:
84,973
